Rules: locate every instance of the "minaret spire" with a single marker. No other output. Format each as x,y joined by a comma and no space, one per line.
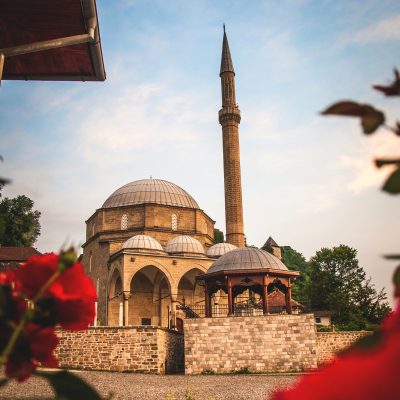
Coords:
229,118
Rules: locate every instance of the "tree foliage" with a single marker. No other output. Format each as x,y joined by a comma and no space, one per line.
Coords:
218,236
295,261
337,282
19,223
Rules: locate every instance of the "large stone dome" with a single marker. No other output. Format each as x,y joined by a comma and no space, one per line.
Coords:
155,191
143,243
220,249
184,245
247,258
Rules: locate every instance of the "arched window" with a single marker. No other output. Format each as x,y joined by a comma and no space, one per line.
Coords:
90,262
124,222
174,222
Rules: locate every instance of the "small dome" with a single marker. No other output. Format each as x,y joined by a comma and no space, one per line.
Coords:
184,244
143,243
220,249
150,191
247,258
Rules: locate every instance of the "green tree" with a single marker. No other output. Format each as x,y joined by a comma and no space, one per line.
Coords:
337,282
295,261
19,223
218,236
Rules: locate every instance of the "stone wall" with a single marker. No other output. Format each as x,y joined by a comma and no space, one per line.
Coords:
133,348
274,343
331,343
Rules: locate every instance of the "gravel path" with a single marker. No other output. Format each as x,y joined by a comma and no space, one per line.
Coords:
125,386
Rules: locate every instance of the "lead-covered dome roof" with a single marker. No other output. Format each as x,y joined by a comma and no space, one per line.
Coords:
247,258
184,245
220,249
143,243
150,191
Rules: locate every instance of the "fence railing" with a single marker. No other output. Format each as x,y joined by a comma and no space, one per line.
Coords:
222,310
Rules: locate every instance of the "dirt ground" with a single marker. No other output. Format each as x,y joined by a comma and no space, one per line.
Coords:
125,386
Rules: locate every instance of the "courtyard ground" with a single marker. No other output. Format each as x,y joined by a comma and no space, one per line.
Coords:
128,386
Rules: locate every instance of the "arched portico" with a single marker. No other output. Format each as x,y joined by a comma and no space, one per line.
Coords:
190,293
149,297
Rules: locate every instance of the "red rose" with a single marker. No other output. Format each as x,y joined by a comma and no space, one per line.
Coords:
357,375
34,347
75,297
73,292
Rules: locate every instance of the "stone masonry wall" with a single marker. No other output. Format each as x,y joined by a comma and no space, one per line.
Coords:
331,343
133,348
275,343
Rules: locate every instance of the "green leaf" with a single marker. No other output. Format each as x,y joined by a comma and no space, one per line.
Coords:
68,386
392,184
371,118
3,382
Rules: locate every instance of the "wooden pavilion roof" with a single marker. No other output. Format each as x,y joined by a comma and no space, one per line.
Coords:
31,21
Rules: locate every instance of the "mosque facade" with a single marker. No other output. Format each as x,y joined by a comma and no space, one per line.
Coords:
149,242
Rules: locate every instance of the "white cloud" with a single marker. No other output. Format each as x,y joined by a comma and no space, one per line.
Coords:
359,161
386,29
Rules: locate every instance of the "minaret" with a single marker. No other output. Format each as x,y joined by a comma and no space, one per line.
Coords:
229,118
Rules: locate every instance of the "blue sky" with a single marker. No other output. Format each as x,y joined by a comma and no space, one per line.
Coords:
308,180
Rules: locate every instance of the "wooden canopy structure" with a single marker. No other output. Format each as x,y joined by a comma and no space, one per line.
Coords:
50,40
235,282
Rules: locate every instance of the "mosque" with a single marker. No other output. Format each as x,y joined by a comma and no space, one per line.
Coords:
150,248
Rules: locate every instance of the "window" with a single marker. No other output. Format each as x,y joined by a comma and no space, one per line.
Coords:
174,222
124,222
97,286
90,262
146,321
317,320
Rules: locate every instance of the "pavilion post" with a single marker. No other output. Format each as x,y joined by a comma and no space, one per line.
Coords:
230,297
207,301
265,296
288,296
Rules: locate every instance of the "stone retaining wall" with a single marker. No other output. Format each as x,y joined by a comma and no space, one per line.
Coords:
331,343
275,343
133,348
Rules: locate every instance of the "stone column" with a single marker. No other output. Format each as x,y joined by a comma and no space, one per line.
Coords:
126,297
121,314
95,314
174,304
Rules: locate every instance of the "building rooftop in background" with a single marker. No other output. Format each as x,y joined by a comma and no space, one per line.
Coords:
17,253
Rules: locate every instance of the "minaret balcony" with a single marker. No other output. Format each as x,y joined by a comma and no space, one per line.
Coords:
229,113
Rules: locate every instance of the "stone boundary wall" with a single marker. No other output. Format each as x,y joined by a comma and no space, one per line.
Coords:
274,343
133,348
331,343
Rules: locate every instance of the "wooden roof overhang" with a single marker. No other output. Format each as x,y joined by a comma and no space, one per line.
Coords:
50,40
248,272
